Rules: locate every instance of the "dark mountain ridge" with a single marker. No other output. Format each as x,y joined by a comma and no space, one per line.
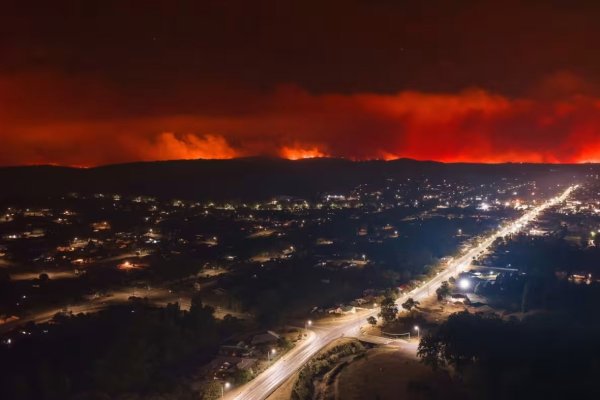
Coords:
252,178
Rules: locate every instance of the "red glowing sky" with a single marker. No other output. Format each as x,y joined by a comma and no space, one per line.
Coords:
85,85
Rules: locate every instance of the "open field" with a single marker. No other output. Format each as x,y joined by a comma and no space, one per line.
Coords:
390,373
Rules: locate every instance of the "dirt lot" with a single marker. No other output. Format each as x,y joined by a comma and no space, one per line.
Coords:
387,373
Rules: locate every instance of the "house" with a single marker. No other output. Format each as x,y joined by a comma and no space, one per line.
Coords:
246,364
234,350
348,310
460,298
342,310
265,338
360,301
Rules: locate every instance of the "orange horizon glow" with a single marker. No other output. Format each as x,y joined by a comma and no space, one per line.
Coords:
159,83
474,126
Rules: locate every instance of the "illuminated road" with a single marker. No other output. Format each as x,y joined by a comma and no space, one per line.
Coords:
264,384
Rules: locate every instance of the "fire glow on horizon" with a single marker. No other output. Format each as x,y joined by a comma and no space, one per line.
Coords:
469,126
121,84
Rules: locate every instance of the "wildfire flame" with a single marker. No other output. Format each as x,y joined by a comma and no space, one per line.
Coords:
297,153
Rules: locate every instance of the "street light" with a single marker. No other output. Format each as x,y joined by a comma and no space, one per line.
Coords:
307,324
273,351
225,386
464,284
418,331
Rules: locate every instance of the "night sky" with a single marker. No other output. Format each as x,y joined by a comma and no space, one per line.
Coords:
86,83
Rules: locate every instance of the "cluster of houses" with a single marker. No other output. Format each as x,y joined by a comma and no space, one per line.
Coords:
368,301
244,355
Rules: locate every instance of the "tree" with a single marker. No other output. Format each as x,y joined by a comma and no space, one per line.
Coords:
409,304
372,320
443,291
462,340
212,390
200,313
392,292
430,351
389,309
285,344
230,325
269,308
241,376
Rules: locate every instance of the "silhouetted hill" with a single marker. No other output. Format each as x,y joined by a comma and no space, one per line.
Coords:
248,178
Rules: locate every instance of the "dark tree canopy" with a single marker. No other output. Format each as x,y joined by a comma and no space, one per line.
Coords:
389,309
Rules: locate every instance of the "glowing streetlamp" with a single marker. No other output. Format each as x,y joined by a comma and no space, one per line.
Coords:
307,324
225,387
271,353
464,284
418,331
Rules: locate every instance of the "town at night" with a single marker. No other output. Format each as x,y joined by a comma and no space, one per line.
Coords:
299,200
